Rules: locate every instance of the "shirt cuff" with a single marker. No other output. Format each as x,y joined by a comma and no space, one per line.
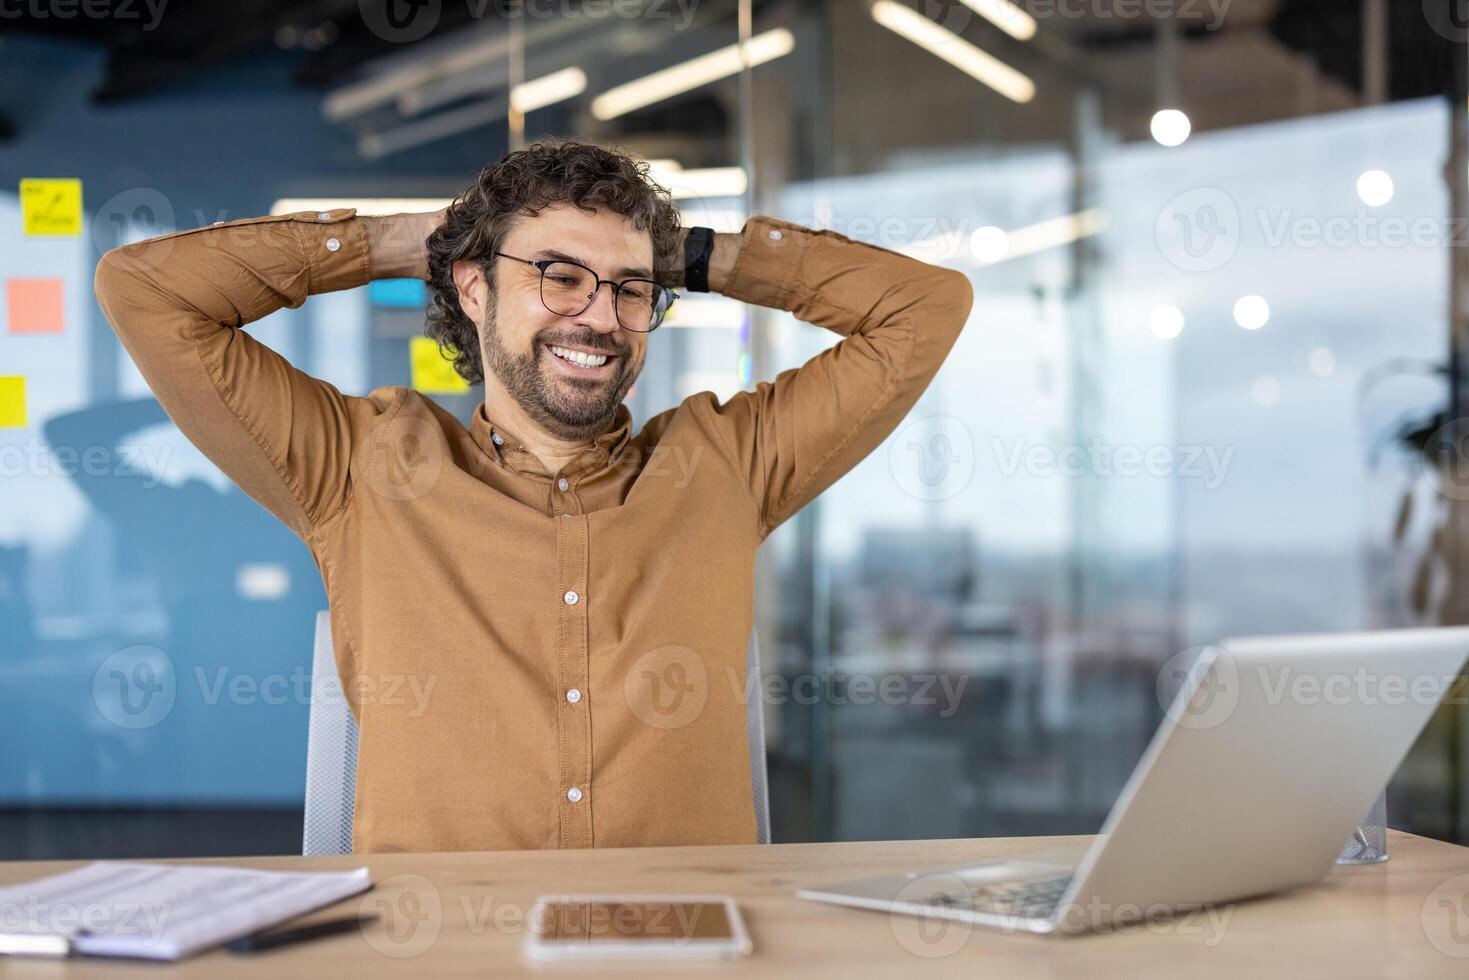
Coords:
334,245
769,262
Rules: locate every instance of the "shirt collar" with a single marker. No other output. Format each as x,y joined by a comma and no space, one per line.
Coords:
510,450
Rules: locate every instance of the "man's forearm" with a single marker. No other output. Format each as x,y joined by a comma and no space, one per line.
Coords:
721,260
793,436
398,244
177,303
850,287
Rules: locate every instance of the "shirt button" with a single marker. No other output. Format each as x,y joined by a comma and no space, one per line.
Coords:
562,484
775,235
566,515
570,598
497,440
573,794
332,244
325,216
573,695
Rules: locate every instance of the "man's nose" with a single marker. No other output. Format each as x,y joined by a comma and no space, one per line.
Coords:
601,313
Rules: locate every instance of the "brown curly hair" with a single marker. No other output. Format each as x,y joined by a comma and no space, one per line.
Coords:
546,173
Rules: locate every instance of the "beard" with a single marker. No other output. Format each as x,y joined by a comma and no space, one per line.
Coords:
568,408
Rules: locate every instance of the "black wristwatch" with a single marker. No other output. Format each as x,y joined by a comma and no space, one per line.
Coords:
698,245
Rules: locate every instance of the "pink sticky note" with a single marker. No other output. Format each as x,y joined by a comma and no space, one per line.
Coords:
34,305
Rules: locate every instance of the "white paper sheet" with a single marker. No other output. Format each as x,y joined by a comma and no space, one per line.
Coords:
165,911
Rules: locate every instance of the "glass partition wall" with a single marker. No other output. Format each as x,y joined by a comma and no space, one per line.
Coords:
1178,411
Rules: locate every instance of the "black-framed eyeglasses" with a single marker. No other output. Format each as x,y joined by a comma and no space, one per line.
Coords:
569,288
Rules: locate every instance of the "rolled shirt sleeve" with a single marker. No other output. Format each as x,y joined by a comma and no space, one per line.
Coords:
178,303
791,438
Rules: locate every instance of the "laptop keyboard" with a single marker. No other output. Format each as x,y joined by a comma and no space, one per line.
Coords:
1034,898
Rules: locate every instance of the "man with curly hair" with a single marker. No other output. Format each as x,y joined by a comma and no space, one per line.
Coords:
541,619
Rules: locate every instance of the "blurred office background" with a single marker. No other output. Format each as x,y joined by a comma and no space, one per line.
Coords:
1201,392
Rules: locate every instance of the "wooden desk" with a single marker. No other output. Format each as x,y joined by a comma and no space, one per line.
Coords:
1378,921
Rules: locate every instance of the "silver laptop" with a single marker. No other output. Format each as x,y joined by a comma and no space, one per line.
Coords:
1268,757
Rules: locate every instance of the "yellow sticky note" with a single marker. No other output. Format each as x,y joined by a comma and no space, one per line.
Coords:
34,305
51,206
12,402
433,374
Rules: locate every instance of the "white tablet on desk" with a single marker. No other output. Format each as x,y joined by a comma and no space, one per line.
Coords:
590,927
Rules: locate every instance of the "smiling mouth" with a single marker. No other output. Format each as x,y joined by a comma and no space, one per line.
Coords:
578,362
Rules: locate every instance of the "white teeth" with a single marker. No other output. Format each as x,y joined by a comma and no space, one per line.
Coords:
577,357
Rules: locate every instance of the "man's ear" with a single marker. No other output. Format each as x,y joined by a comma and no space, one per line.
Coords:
474,291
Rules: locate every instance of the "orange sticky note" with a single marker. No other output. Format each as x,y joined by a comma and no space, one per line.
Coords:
12,402
34,305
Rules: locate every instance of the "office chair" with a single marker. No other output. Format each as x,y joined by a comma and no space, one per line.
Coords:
331,751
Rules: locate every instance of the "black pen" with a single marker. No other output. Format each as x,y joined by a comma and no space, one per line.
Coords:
258,941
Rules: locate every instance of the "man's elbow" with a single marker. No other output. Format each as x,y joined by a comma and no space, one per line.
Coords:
116,284
108,276
957,297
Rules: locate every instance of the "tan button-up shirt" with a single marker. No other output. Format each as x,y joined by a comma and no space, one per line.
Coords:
534,659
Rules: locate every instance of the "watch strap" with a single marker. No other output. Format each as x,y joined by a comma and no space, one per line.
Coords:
697,247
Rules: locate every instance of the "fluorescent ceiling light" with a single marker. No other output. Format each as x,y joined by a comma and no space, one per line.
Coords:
731,220
548,89
359,97
376,206
550,43
376,144
706,312
263,582
1009,18
700,182
691,74
1054,233
990,245
944,43
722,220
